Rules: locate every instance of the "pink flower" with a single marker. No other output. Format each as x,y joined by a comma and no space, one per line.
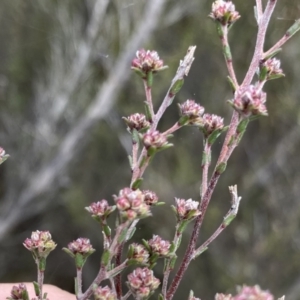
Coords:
224,12
142,283
147,61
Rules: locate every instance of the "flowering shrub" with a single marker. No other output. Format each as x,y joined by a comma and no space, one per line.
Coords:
133,204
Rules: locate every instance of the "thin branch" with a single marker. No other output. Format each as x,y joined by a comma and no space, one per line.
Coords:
260,40
289,33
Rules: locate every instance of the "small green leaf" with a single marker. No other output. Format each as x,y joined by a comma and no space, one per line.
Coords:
148,111
137,183
105,257
131,233
36,288
135,136
107,230
293,29
272,54
130,161
69,252
149,79
221,167
231,83
176,87
123,234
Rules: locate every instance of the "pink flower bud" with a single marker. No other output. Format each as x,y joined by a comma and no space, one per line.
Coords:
140,253
100,209
224,12
137,121
142,283
155,139
192,112
17,292
147,61
159,246
255,292
150,197
40,243
250,101
132,204
82,246
104,293
186,209
211,123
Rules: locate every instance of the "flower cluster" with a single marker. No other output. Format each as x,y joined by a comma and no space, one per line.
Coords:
147,61
137,121
224,12
142,283
186,209
104,293
82,246
3,156
247,293
191,113
250,101
80,250
212,123
40,244
131,204
18,292
150,197
270,69
158,246
138,253
155,140
100,210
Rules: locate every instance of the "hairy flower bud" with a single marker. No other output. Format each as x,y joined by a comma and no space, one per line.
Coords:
82,246
224,12
131,204
247,293
270,69
223,297
159,246
212,123
186,209
250,101
154,139
100,209
147,61
137,121
3,156
40,244
142,283
255,292
139,253
191,113
18,292
150,197
104,293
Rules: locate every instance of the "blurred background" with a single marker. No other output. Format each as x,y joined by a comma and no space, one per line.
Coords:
65,83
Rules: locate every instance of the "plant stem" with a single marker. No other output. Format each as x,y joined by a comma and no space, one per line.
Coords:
40,282
289,33
118,277
206,160
260,40
168,269
79,282
259,10
182,71
227,54
175,127
149,98
191,246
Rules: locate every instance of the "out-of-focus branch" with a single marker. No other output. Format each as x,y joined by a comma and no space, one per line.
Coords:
42,181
